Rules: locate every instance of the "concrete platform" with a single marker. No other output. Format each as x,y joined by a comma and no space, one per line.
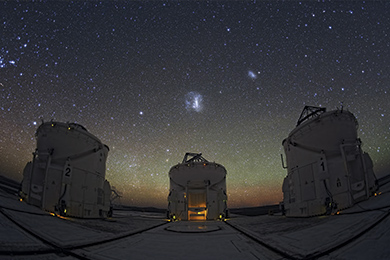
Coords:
193,227
361,232
364,228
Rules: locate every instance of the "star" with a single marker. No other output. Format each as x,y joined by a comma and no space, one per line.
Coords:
228,79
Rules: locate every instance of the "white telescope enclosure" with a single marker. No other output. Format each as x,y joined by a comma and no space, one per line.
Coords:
197,190
327,169
67,173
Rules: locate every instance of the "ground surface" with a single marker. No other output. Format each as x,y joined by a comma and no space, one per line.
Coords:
361,232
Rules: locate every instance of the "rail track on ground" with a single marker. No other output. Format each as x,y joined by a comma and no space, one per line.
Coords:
54,248
292,256
59,250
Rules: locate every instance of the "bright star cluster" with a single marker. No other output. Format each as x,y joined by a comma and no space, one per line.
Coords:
156,79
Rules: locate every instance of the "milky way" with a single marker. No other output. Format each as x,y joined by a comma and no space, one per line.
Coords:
124,71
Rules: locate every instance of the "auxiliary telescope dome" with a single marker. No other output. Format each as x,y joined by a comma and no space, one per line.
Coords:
326,167
197,189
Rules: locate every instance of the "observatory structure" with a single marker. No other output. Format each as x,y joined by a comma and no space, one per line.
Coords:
326,167
197,190
67,173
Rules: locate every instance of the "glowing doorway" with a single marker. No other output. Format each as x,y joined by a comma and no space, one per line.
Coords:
197,205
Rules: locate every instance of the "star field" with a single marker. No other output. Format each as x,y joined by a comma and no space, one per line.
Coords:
156,79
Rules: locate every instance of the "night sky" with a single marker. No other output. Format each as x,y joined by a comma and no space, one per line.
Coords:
156,79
